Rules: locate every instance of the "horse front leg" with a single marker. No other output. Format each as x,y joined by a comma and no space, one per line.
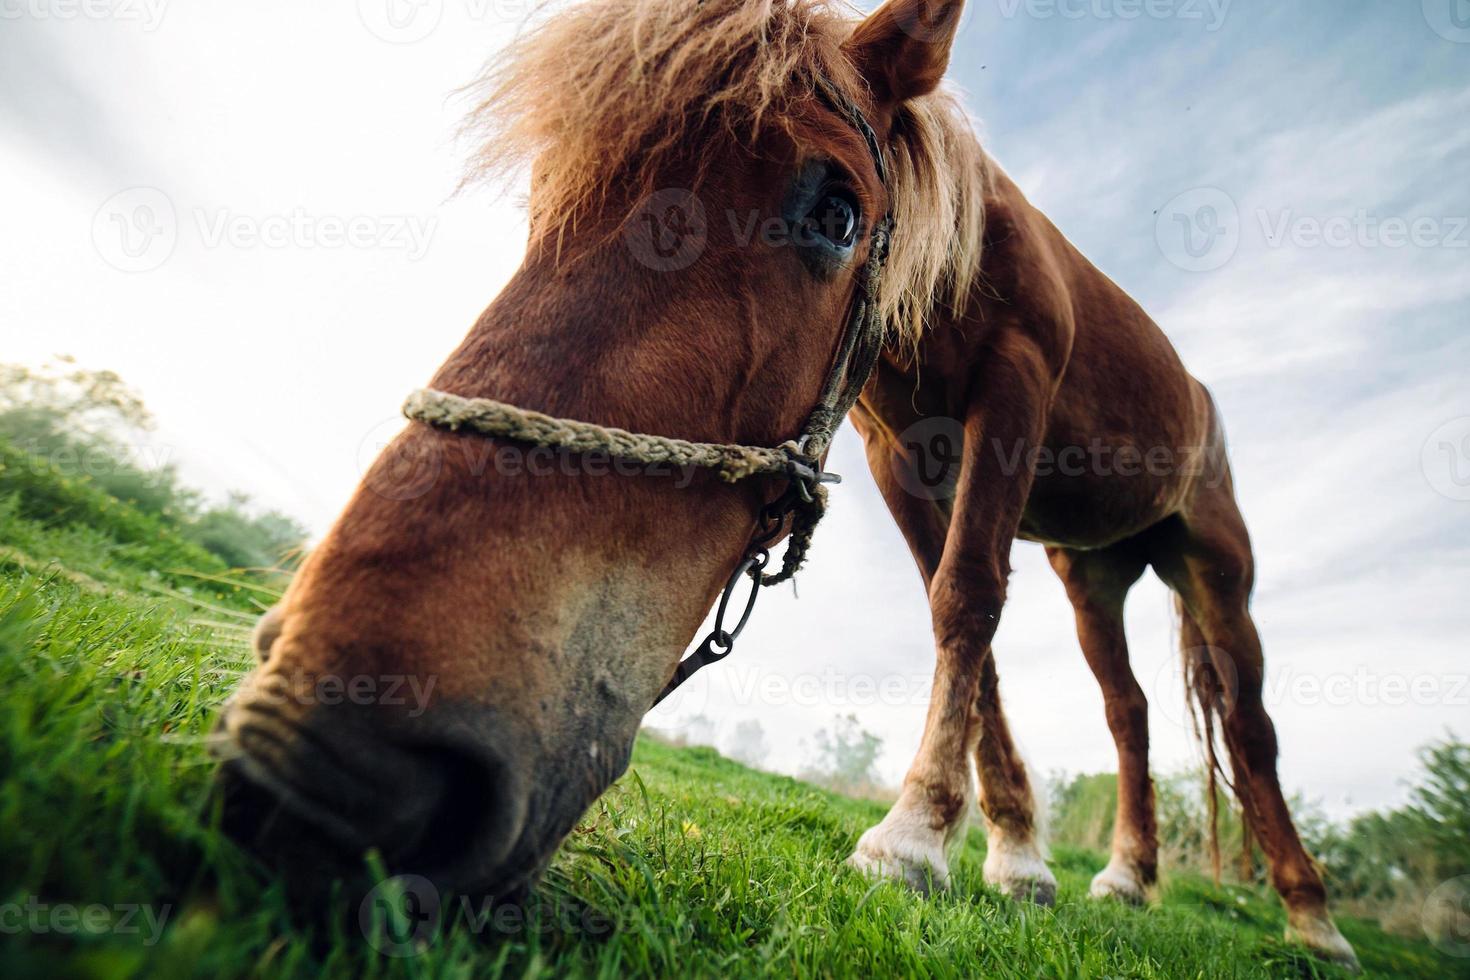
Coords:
912,842
1015,855
963,550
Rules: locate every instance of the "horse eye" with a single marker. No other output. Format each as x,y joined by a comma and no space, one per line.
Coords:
835,219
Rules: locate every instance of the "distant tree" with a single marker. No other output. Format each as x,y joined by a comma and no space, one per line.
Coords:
1083,809
1441,803
698,730
89,424
269,540
748,744
90,402
846,757
1380,864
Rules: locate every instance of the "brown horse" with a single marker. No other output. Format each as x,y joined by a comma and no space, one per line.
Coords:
545,608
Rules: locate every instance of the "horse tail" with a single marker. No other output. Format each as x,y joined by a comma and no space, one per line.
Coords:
1204,699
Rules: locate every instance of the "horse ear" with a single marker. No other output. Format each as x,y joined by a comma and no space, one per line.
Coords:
902,49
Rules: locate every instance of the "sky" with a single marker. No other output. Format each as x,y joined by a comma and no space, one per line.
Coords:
248,212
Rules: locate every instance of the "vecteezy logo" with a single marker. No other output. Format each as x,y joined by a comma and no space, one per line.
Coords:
399,469
928,466
1450,19
136,230
1446,917
400,916
400,21
1200,678
668,230
1445,459
1199,230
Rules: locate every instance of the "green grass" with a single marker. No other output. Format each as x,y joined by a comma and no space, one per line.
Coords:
690,865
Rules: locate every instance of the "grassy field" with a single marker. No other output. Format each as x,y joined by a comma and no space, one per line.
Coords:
690,865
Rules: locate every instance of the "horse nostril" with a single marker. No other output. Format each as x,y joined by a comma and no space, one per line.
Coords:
313,800
477,811
462,813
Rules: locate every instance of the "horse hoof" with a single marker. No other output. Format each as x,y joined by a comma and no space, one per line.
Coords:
1021,875
1316,931
1037,891
879,857
1120,884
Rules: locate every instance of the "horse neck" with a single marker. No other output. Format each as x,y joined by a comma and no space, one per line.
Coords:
1037,292
1033,282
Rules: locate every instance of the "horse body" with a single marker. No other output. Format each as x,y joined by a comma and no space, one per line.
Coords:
547,607
1083,431
1113,387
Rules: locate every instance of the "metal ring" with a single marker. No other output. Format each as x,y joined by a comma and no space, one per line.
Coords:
725,639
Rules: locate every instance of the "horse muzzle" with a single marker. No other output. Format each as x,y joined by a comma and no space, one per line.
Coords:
311,794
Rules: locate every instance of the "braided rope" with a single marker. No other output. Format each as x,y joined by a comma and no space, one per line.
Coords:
730,461
492,418
804,521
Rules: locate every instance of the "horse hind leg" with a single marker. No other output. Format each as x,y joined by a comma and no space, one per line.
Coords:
1206,558
1097,583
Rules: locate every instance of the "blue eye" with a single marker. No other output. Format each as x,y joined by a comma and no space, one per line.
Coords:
835,218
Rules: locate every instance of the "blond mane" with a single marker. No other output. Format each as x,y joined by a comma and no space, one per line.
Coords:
605,87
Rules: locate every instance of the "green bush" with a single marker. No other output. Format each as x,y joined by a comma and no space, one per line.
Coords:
39,492
71,436
268,540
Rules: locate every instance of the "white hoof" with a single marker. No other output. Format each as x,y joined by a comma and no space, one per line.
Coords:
1020,872
1121,881
913,861
1315,930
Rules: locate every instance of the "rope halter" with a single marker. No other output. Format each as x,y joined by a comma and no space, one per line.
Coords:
798,461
